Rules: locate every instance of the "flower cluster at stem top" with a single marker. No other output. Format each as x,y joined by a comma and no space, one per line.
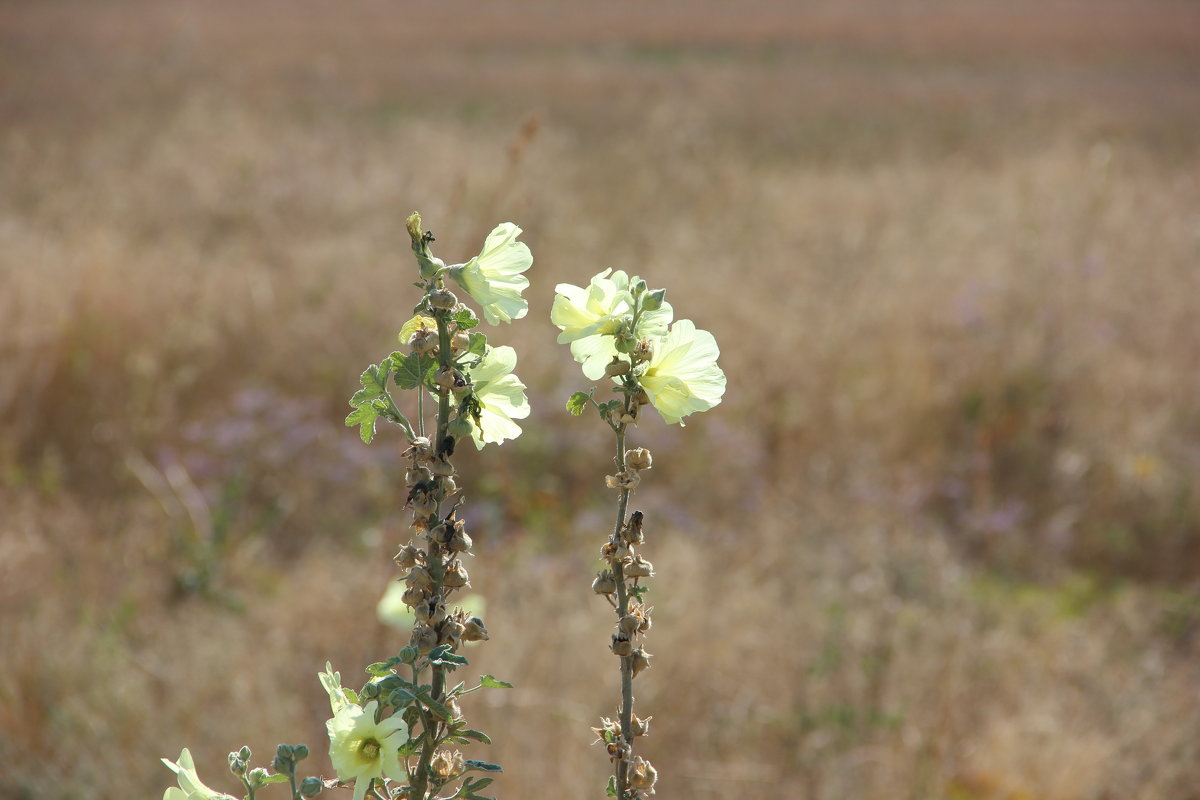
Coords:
618,327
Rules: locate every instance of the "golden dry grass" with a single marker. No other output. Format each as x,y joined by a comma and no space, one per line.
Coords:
940,541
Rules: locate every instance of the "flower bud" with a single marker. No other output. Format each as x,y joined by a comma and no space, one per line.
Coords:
424,638
460,427
258,776
621,645
642,775
475,630
639,568
638,288
236,765
605,583
244,753
442,299
616,367
638,458
371,690
654,300
311,786
641,661
300,751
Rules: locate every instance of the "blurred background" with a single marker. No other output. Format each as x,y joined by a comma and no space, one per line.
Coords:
941,540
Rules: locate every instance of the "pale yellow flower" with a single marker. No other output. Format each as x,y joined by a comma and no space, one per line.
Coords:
190,787
683,376
591,318
362,750
494,276
501,397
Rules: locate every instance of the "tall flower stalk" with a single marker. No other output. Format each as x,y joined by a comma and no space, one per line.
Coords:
620,330
392,738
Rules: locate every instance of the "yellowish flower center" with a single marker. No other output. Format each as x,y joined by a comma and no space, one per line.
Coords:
369,749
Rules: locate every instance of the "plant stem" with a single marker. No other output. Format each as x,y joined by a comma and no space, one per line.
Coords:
626,713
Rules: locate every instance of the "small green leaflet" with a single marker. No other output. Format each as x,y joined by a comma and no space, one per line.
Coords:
411,370
611,790
365,412
578,402
483,766
465,319
478,344
489,682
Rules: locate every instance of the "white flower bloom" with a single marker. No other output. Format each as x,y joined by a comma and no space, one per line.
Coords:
501,397
683,376
190,787
494,276
591,318
361,749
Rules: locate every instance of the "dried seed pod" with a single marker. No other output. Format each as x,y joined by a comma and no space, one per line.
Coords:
460,342
424,638
419,578
460,542
623,480
642,775
412,596
456,576
408,557
641,727
632,531
642,398
617,751
605,583
643,350
638,458
475,630
417,475
423,342
629,624
442,299
609,730
419,450
616,367
451,631
639,568
442,467
621,645
447,765
641,661
448,379
431,610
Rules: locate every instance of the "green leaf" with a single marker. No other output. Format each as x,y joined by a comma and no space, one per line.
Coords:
277,778
489,682
478,736
484,766
450,661
608,408
611,790
408,748
465,319
423,694
380,668
482,783
364,417
411,370
400,698
478,344
577,402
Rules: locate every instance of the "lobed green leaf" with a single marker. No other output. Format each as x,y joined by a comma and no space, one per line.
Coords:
489,682
578,402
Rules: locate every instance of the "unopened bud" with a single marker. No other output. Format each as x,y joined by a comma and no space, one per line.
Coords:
654,300
638,458
311,786
258,776
605,583
244,753
460,427
300,751
236,765
442,299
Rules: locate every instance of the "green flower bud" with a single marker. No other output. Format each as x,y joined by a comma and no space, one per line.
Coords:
407,654
258,776
460,427
370,691
311,786
236,765
244,753
638,288
300,752
654,300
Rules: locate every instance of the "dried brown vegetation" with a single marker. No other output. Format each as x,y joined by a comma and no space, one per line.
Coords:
942,536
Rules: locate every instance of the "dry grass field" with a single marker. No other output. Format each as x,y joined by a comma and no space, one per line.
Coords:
941,540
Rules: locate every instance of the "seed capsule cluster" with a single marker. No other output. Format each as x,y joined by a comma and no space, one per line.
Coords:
436,571
621,583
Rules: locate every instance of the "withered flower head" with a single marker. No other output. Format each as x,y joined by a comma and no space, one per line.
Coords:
621,646
424,638
641,661
456,576
605,583
623,480
431,610
642,775
408,557
639,568
475,630
638,458
447,765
